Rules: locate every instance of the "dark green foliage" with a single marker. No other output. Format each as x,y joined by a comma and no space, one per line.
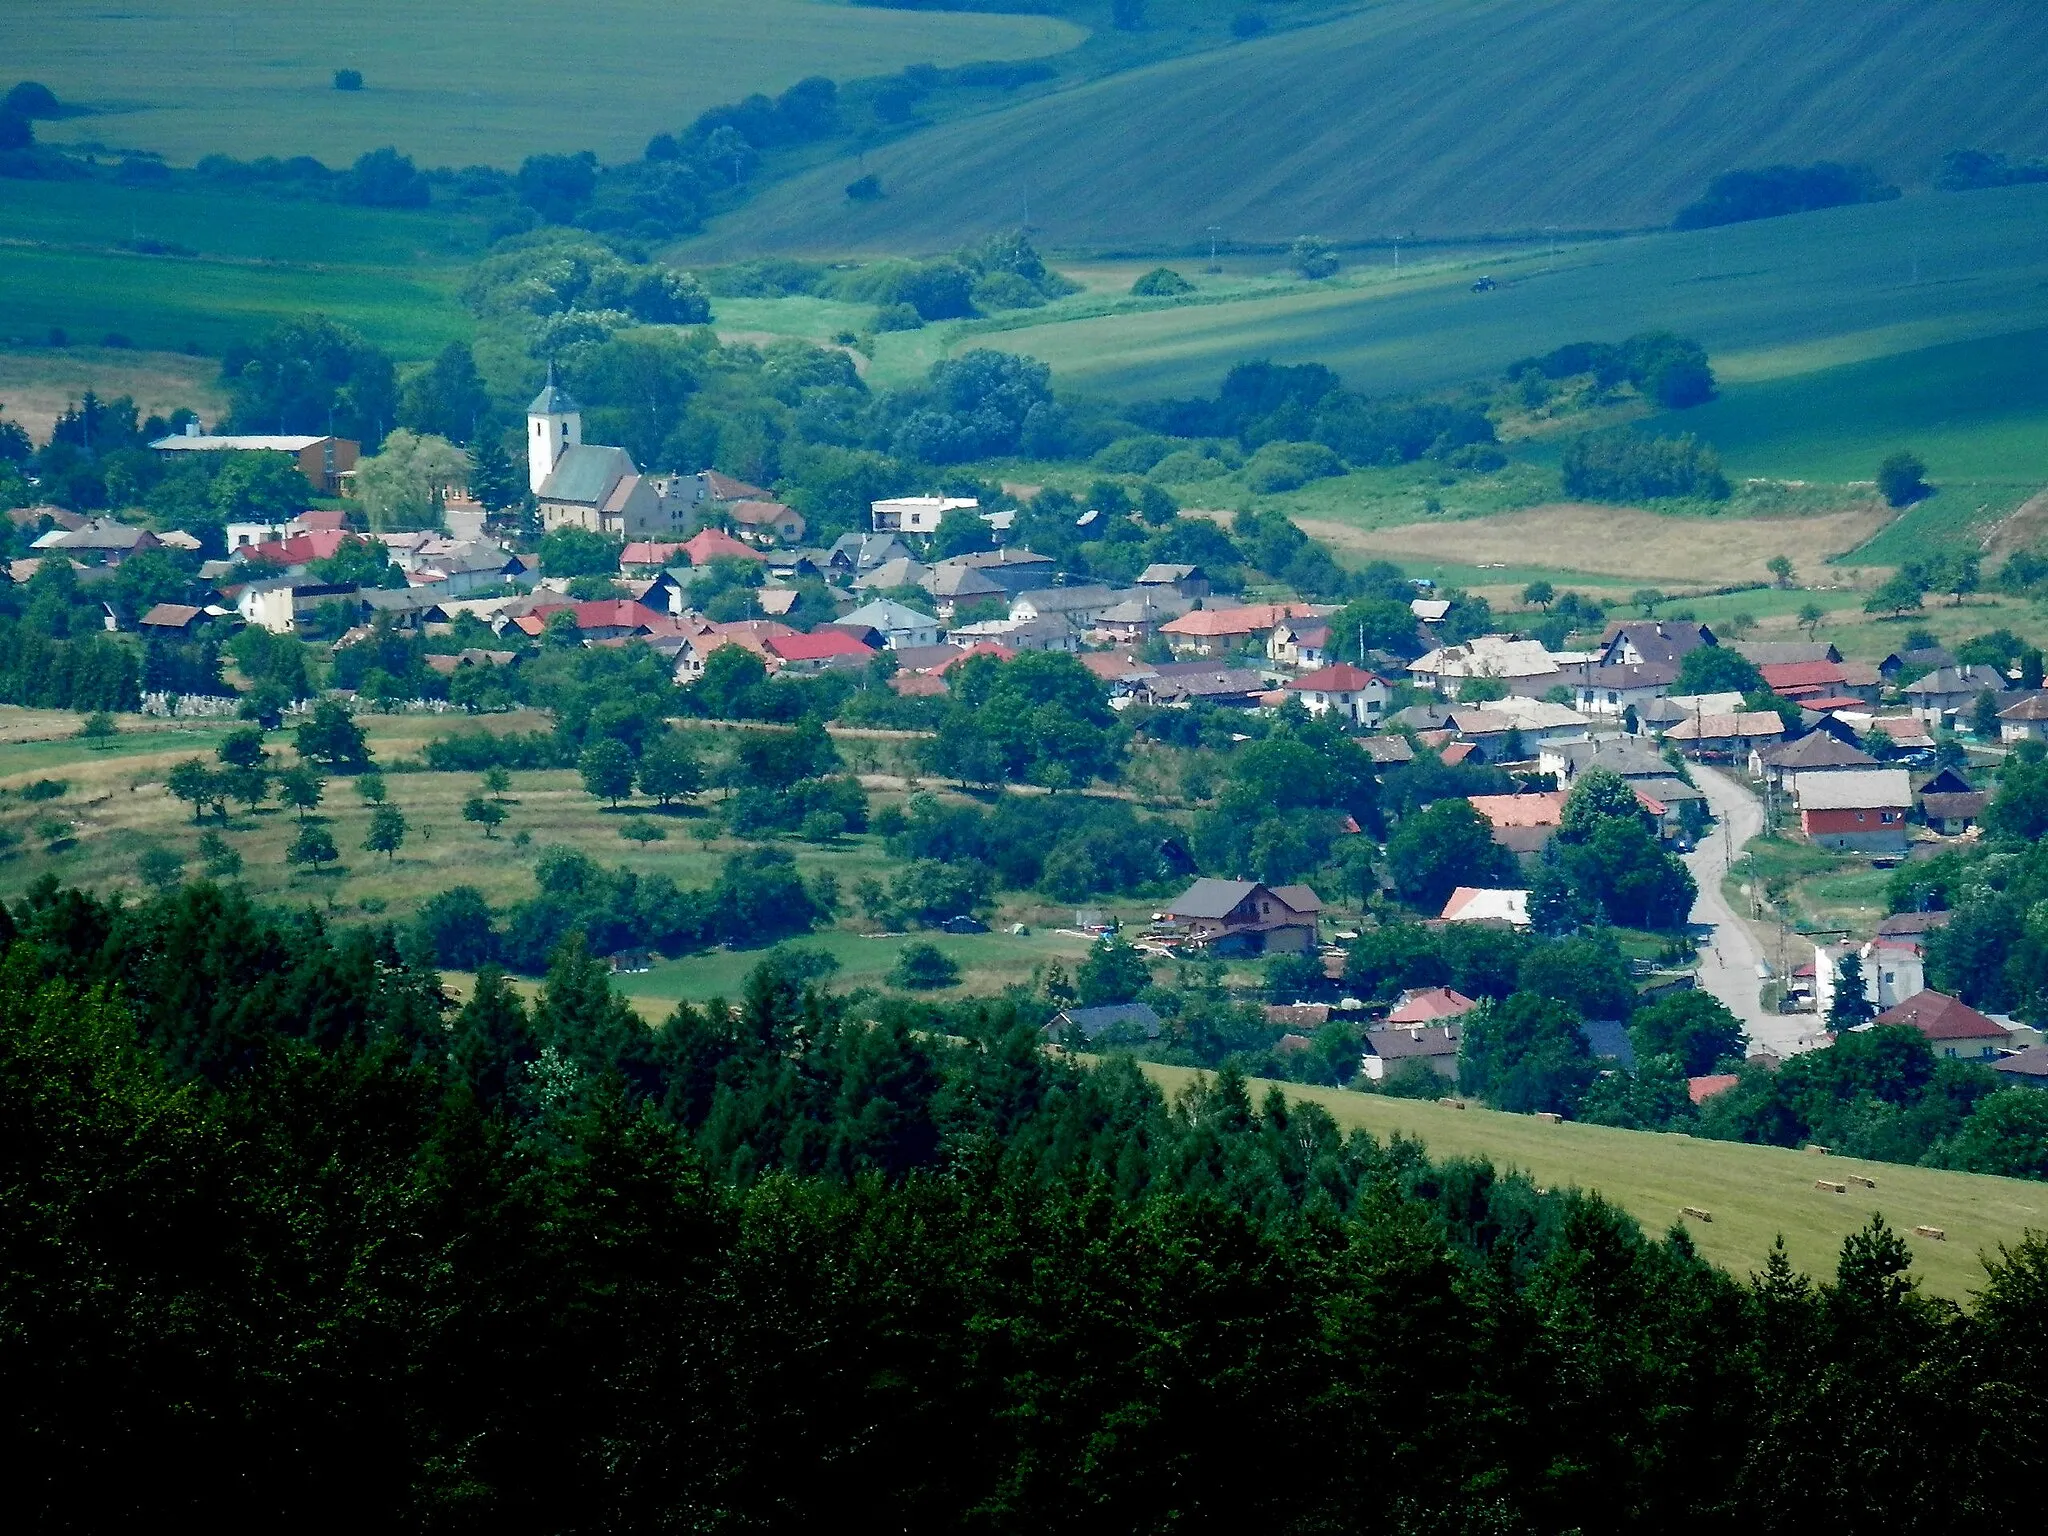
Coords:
1902,478
1442,847
922,967
1735,196
332,739
726,1271
1040,717
1971,170
1717,669
1525,1054
1161,283
1625,466
1695,1027
384,178
311,375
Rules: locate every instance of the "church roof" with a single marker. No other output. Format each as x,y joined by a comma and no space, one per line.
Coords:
587,474
553,400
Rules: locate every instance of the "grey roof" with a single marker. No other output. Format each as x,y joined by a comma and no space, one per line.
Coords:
891,574
1068,599
1855,789
1618,754
1096,1022
885,615
587,473
2031,1062
1407,1042
1165,575
1671,791
1212,898
1972,679
961,581
1817,749
864,551
1658,639
982,559
552,400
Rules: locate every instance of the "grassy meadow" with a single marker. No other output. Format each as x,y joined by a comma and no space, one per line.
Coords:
1755,1194
460,82
390,274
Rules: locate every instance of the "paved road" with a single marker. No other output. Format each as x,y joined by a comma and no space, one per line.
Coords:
1729,954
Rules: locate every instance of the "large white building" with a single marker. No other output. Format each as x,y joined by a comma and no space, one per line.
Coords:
583,485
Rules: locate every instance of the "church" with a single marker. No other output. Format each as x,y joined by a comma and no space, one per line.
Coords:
584,485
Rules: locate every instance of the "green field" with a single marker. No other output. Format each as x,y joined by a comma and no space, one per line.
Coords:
459,82
1445,117
392,275
1754,1193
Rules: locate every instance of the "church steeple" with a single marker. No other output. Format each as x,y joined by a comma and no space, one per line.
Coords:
554,425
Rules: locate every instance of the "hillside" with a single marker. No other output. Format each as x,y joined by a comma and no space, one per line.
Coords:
1444,117
1755,1194
460,82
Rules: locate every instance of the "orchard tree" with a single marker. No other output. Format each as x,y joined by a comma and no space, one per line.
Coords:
669,768
301,788
607,770
387,832
314,845
332,739
1781,569
195,783
485,813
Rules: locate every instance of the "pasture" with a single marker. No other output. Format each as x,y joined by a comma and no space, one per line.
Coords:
460,82
1442,118
66,263
1754,1193
37,385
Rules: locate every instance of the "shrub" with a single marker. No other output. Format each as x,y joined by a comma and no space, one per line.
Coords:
898,317
1902,479
864,189
923,968
1622,466
1288,466
1312,257
348,79
1132,455
1161,283
1006,290
1736,196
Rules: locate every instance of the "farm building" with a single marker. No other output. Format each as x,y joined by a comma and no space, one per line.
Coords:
328,463
1863,811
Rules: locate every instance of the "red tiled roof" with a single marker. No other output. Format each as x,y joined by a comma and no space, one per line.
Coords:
299,549
1249,619
816,646
1833,702
1428,1004
619,613
725,488
979,648
1539,810
918,685
1341,678
649,552
1701,1089
713,544
1941,1017
1802,674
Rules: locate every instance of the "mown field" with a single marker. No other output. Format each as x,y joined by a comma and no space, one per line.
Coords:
459,82
392,275
1754,1193
1446,117
115,807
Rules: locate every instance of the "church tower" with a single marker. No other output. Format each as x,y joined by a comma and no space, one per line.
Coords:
554,425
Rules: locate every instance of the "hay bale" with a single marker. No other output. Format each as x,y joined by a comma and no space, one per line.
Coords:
1857,1178
1934,1232
1695,1213
1549,1118
1815,1148
1831,1187
1450,1103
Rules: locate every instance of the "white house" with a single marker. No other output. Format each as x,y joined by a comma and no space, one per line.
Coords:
1352,692
917,514
1524,666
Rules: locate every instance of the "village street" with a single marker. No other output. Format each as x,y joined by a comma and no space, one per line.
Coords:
1729,953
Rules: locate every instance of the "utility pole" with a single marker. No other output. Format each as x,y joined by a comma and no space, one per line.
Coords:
1397,255
1550,262
1214,229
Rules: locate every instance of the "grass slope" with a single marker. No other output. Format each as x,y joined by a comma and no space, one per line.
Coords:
392,275
459,82
1754,1193
1446,117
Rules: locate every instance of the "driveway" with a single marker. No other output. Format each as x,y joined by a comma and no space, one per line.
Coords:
1729,953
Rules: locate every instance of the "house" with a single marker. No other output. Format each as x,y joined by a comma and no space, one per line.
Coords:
1953,815
1385,1050
2026,720
1651,640
824,647
1523,665
1623,755
409,607
1912,924
1137,618
1077,605
1351,692
1728,738
1801,681
1177,684
650,555
1522,823
898,625
1856,810
765,521
1479,904
1014,570
952,585
1538,722
1816,752
171,621
1429,1005
328,463
853,553
1665,800
1388,751
917,514
1244,917
1051,633
100,538
1946,692
279,605
1917,662
693,498
1613,690
2025,1068
709,544
1701,1089
1116,1024
464,569
1207,631
1181,580
1951,1026
1302,644
1772,653
616,619
892,575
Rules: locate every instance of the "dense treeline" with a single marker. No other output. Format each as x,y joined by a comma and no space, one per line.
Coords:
274,1206
1626,466
1736,196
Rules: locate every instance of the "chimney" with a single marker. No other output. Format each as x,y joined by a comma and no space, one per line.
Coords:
192,428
